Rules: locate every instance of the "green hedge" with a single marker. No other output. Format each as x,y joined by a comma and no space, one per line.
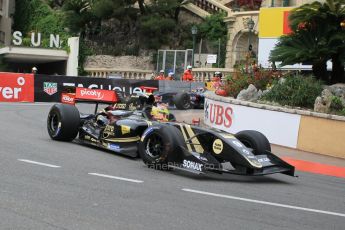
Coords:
298,91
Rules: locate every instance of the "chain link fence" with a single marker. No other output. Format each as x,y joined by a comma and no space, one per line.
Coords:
204,48
174,61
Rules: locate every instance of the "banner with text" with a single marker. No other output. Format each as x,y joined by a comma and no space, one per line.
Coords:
280,128
16,87
49,88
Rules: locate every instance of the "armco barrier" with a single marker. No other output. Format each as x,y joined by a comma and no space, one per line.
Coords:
303,130
16,87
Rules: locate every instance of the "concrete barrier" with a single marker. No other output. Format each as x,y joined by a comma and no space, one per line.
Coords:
178,86
299,129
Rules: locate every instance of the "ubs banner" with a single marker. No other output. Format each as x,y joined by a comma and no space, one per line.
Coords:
280,128
48,88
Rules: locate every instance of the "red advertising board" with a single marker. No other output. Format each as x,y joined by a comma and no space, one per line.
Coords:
16,87
95,95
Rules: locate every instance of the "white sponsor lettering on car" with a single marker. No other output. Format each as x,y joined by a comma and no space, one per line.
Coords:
192,165
94,93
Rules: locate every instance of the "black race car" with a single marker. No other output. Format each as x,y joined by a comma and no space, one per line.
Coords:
182,100
167,145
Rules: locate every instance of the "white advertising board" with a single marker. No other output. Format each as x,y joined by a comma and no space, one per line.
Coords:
212,58
280,128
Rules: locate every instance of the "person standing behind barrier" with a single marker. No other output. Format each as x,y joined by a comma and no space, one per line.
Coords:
160,76
34,70
170,76
217,80
188,75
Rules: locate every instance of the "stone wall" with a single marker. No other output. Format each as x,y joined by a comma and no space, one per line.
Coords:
122,62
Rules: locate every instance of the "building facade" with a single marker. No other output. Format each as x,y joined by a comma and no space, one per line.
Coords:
7,8
241,34
22,58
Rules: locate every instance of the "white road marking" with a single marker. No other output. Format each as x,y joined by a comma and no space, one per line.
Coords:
264,202
116,178
39,163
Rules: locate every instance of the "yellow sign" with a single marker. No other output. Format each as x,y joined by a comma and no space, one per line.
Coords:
125,129
217,146
273,22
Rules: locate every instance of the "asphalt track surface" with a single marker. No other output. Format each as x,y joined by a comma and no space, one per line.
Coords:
46,184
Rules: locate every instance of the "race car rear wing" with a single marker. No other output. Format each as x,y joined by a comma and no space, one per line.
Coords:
71,95
148,90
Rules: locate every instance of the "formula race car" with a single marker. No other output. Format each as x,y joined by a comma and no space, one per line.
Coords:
183,100
151,133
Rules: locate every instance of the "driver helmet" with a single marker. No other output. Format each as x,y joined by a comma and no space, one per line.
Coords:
160,113
161,71
189,67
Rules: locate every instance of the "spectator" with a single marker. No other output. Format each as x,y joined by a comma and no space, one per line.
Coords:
170,76
160,76
217,80
187,75
34,70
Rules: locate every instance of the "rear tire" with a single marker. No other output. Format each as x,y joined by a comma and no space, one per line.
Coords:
254,140
158,144
63,122
182,101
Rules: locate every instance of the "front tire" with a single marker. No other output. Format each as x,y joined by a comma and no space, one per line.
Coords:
254,140
63,122
159,144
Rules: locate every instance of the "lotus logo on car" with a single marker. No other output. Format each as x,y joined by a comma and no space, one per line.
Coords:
50,87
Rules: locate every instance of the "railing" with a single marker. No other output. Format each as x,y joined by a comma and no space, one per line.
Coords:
119,73
200,74
206,74
211,6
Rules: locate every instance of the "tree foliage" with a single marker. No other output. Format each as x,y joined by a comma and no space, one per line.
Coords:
318,36
214,29
37,16
154,23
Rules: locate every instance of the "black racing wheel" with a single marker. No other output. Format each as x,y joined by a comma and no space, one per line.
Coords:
254,140
158,144
63,122
182,101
